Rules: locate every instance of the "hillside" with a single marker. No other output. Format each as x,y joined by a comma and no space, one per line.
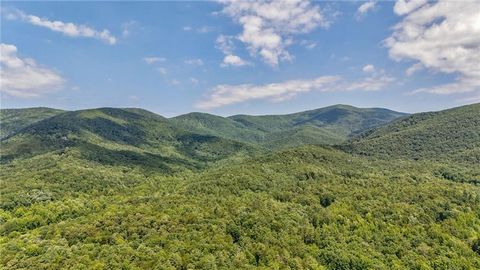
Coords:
204,123
305,208
329,125
13,120
115,136
126,188
450,134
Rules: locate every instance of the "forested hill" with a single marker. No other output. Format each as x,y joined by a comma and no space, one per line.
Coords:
119,136
329,125
27,132
13,120
113,188
303,208
452,134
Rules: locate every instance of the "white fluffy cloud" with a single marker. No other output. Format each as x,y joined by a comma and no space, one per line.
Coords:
443,36
269,26
24,77
223,95
234,60
368,68
68,29
365,7
227,46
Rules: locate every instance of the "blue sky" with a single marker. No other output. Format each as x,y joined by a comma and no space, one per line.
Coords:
228,58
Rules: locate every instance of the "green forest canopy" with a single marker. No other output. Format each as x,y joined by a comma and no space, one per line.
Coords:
147,194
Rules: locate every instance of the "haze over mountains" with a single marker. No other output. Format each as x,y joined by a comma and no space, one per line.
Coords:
333,188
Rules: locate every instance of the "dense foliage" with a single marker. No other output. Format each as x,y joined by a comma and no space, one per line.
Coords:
329,125
304,208
128,189
119,136
13,120
451,134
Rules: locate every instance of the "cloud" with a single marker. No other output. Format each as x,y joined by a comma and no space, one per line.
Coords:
127,28
374,83
269,26
403,7
68,29
225,44
222,95
368,69
154,59
233,60
365,7
413,68
202,30
194,62
309,44
444,37
24,77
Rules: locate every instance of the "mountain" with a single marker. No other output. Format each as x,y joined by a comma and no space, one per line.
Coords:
13,120
115,136
204,123
113,188
450,134
329,125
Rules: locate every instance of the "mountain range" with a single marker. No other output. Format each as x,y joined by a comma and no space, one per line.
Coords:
333,188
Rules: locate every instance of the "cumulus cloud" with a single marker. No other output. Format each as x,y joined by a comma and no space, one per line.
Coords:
224,94
368,68
68,29
234,60
444,37
365,7
23,77
226,45
269,26
154,59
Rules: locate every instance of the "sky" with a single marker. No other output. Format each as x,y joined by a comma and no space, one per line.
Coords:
240,57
